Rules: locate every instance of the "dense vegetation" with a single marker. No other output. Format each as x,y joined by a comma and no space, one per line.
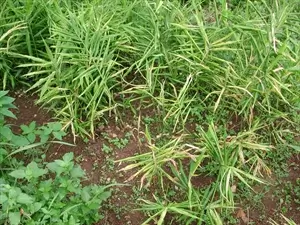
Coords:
230,68
42,193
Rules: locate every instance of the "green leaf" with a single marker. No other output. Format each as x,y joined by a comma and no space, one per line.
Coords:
47,131
2,93
21,149
54,167
105,195
3,154
3,198
6,112
68,157
93,205
183,212
34,170
20,141
24,199
72,221
36,207
25,129
162,216
45,211
295,147
65,217
44,138
295,68
56,126
77,172
3,151
32,125
85,195
28,129
6,100
61,163
31,137
6,132
58,135
14,218
18,174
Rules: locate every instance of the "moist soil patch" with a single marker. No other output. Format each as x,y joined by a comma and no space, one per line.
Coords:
97,157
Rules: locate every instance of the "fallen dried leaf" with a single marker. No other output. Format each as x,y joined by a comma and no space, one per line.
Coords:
242,215
101,127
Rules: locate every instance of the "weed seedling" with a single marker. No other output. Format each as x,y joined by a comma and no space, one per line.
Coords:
106,149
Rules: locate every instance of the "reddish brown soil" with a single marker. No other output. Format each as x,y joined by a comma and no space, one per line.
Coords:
273,204
100,168
27,111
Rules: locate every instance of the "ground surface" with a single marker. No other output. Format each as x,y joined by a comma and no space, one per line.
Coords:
97,158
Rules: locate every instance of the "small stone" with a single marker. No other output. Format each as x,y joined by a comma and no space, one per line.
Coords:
233,188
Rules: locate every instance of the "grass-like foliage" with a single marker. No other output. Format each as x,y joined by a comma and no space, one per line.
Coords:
85,56
23,28
192,61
